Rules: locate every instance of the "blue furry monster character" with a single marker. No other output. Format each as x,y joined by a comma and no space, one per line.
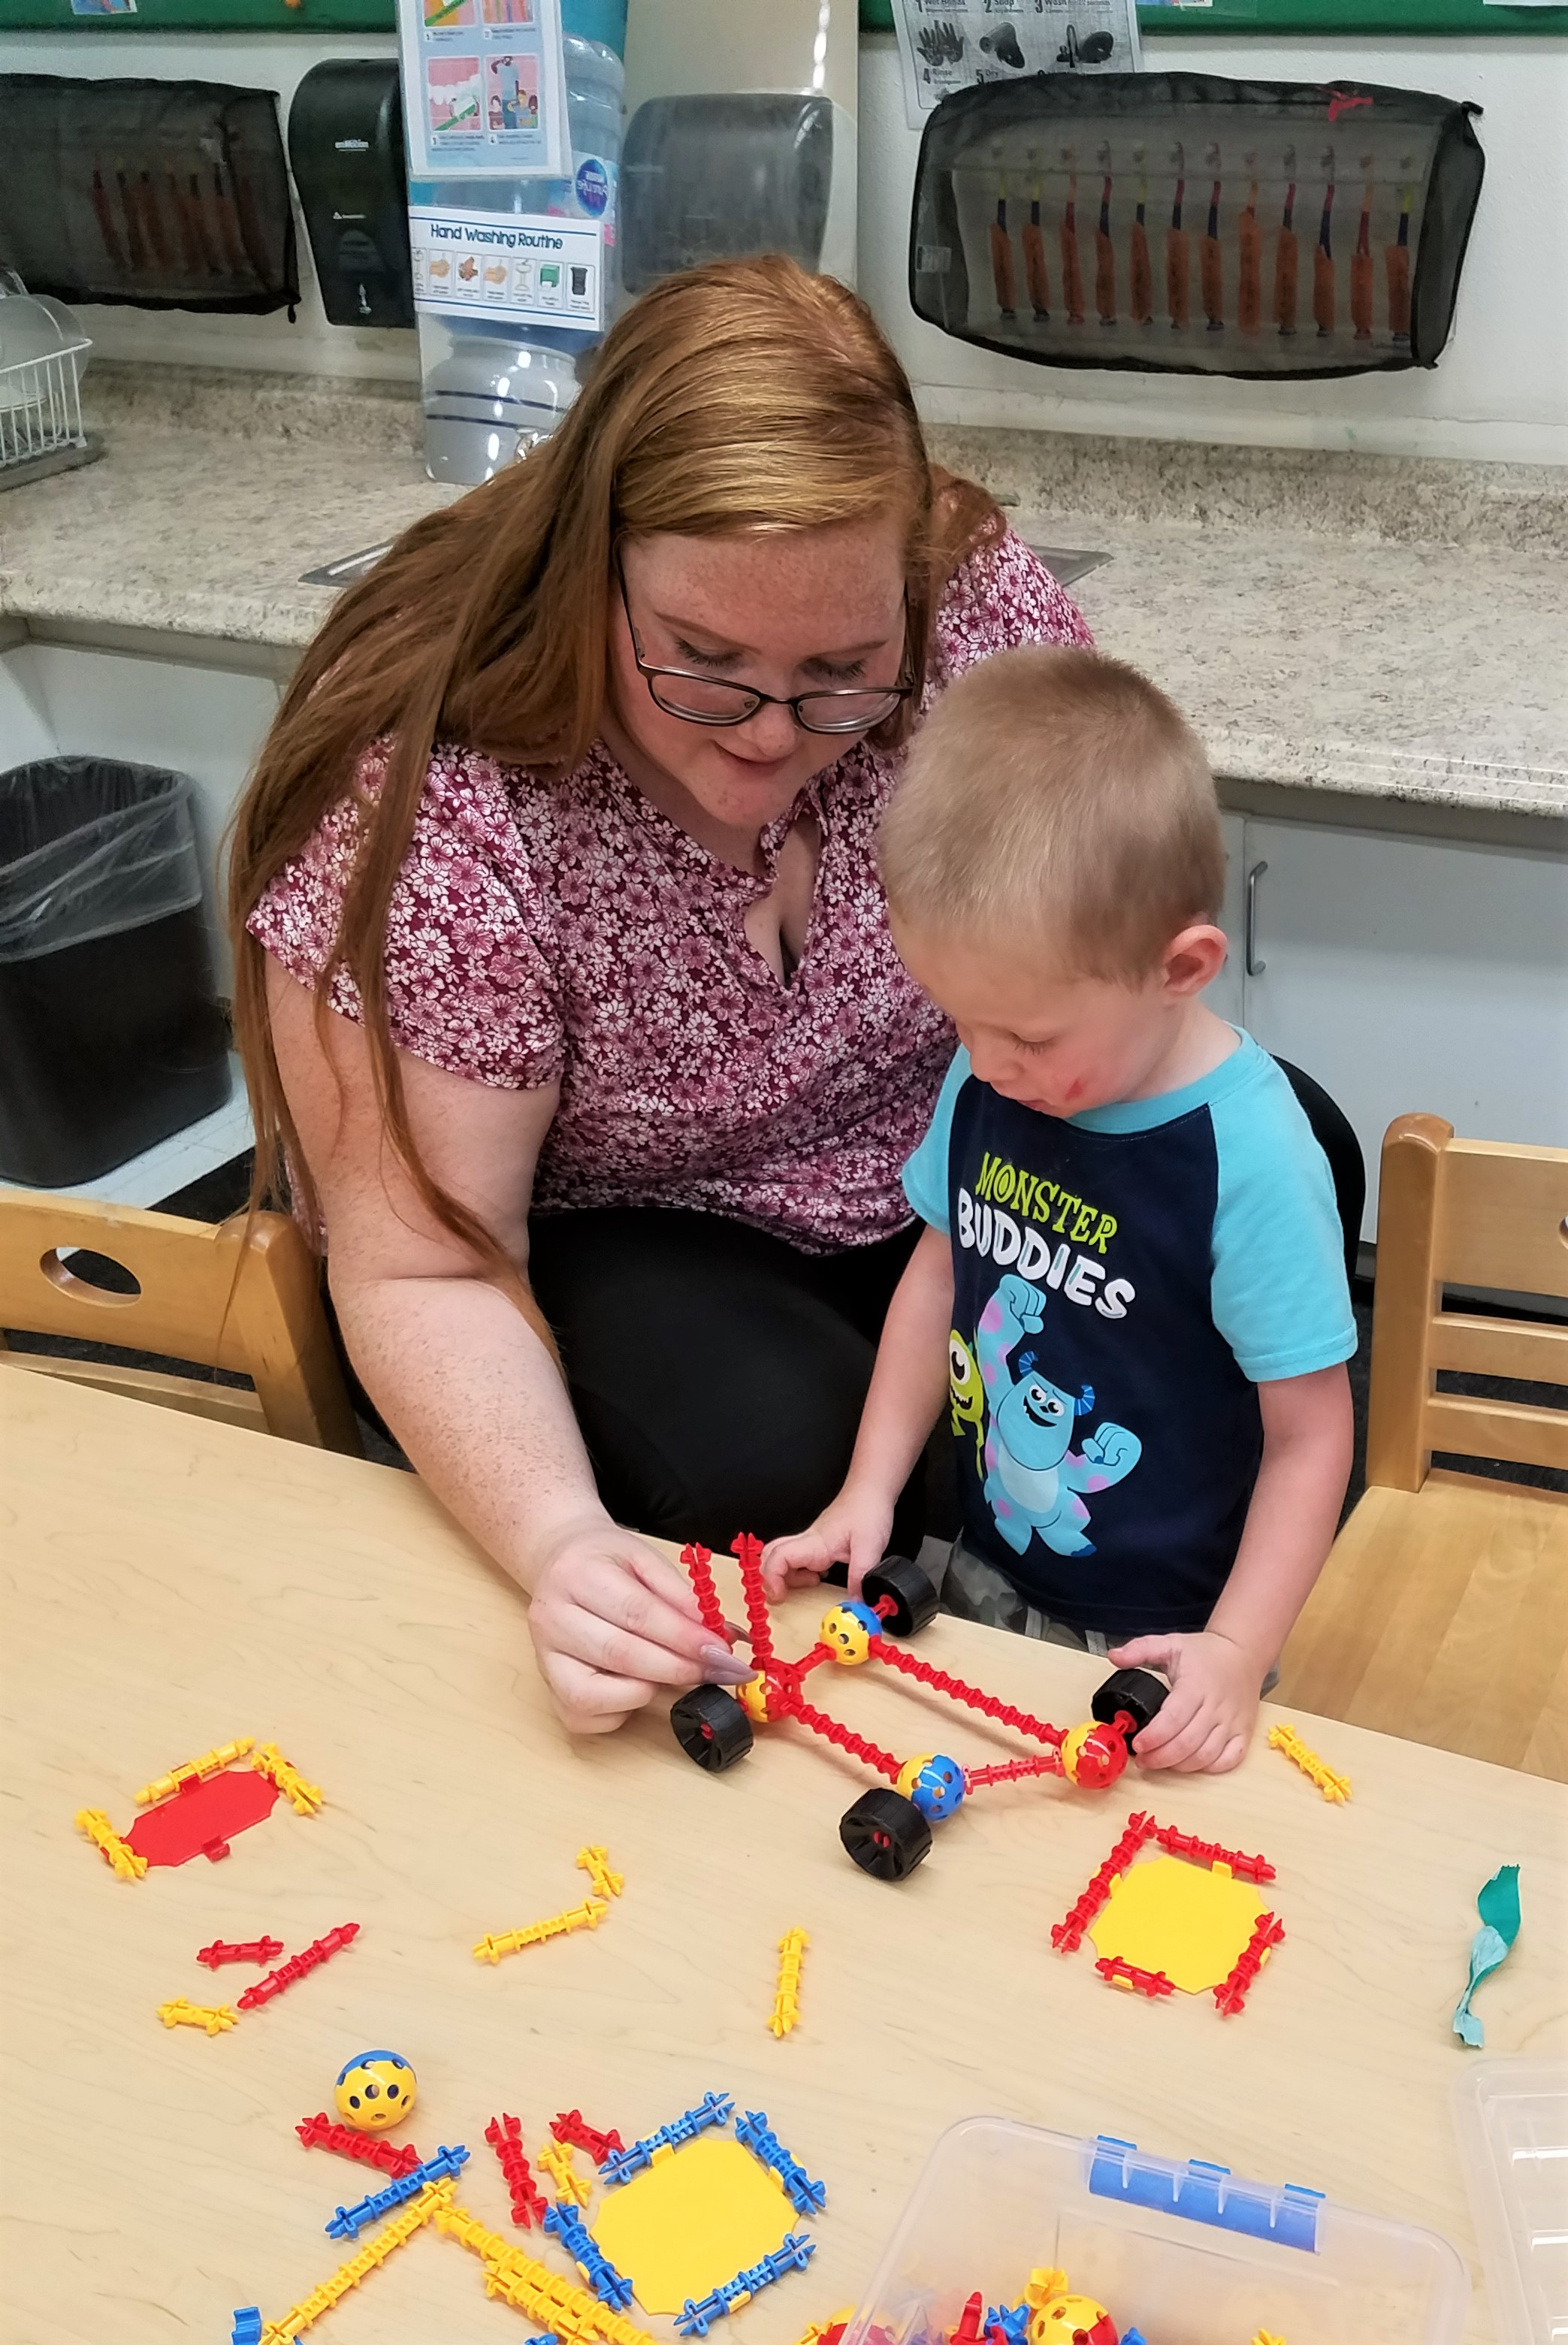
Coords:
1033,1477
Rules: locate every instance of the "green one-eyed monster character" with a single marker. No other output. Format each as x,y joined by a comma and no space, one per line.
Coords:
968,1396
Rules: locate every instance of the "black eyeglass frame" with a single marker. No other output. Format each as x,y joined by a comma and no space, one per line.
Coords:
898,693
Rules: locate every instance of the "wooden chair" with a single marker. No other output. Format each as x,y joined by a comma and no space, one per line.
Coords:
1442,1614
215,1293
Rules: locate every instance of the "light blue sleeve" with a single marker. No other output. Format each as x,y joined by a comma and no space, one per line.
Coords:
925,1175
1280,1298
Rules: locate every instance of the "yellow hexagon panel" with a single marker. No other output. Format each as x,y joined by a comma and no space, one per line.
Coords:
691,2221
1189,1921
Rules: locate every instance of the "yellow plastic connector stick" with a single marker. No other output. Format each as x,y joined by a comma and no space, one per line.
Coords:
304,1799
322,2299
1267,2337
215,2017
586,1916
786,1999
557,2160
1046,2281
211,1763
556,2304
128,1864
1286,1739
595,1864
819,2328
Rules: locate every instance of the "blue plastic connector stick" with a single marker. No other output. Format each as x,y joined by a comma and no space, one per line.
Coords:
1202,2192
247,2325
610,2286
806,2197
1010,2322
695,2319
712,2109
350,2221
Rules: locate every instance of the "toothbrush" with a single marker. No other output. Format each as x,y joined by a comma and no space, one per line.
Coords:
1072,266
1105,251
1397,262
1177,247
1285,255
1037,277
1361,263
1249,260
1142,273
1211,260
1324,306
1002,271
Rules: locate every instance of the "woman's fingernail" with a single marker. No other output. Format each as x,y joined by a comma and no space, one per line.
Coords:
721,1666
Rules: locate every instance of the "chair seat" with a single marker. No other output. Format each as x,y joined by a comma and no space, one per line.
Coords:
1441,1615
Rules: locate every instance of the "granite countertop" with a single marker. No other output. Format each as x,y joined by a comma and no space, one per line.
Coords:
1357,625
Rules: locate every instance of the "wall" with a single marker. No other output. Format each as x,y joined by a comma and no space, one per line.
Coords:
276,61
1501,389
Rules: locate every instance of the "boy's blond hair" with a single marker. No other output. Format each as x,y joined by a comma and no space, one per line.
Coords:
1055,798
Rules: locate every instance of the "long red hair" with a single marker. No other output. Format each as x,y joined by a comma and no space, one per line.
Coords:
747,396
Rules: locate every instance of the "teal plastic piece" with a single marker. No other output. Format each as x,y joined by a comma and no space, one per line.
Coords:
1498,1906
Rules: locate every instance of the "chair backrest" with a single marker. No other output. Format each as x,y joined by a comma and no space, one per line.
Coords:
228,1295
1478,1214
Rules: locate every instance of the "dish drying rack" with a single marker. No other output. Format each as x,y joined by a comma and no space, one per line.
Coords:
41,427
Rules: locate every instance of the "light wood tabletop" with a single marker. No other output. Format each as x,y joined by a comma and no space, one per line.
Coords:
173,1583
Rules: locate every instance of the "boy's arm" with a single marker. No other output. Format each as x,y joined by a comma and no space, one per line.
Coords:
1206,1718
908,1386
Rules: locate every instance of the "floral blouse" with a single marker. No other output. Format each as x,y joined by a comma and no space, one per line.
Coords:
565,931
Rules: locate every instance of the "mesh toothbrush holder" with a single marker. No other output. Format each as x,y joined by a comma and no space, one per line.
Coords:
41,352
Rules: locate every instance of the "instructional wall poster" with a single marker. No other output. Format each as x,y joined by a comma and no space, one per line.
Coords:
948,45
485,85
533,270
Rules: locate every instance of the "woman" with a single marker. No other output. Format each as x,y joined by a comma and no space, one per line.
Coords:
565,980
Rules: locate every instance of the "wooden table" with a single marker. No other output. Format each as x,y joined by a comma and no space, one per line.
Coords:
174,1583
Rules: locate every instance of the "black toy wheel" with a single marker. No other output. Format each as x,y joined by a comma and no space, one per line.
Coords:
1138,1691
710,1727
913,1597
886,1835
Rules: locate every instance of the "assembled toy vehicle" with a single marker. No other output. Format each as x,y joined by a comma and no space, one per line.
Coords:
887,1831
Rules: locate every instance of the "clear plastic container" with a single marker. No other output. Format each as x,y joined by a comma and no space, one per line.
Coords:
1513,2120
1185,2253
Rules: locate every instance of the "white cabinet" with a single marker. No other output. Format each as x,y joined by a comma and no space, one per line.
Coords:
1410,973
1224,997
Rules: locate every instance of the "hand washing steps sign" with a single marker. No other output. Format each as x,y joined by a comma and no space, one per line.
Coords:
513,269
487,88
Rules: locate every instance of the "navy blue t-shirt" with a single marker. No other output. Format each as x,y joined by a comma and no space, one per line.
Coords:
1123,1281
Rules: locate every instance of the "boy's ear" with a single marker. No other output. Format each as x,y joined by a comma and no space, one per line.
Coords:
1193,958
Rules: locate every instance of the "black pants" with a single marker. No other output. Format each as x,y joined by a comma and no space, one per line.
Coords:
717,1373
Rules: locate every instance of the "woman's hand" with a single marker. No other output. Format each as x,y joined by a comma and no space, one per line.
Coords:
854,1529
613,1621
1206,1721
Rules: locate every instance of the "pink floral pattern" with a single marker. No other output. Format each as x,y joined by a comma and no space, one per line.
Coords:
568,932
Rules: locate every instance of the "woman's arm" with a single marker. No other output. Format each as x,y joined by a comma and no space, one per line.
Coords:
469,1385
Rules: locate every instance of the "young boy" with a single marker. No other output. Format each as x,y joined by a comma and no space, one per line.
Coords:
1131,1284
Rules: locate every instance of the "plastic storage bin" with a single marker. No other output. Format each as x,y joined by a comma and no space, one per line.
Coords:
110,1035
1185,2253
1513,2120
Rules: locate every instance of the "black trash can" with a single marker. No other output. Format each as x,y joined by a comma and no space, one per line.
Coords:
111,1036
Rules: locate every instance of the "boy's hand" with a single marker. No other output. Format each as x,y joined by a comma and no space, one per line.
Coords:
854,1529
1206,1721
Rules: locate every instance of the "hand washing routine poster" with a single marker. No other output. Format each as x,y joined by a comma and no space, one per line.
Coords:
487,88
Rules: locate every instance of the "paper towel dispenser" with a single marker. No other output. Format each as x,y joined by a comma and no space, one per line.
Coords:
713,176
346,151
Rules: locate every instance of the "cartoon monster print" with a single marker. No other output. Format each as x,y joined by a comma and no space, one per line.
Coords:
969,1396
1032,1477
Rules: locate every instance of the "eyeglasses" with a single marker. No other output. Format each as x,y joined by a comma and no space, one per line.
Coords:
713,700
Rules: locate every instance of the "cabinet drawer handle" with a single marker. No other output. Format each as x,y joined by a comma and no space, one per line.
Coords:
1249,960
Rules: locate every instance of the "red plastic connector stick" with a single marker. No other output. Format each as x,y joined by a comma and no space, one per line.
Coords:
244,1950
1232,1992
297,1966
790,1706
572,2125
698,1561
1208,1852
529,2204
971,2321
396,2158
748,1552
812,1660
1123,1974
1003,1712
1068,1934
976,1777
